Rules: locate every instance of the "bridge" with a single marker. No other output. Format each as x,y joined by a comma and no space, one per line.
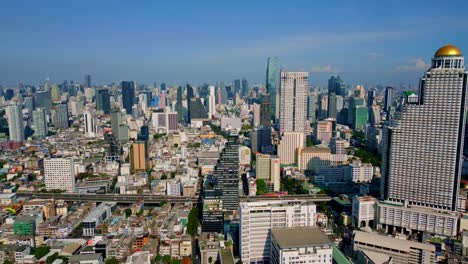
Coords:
156,199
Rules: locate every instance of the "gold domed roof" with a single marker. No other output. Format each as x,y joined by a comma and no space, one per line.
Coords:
448,50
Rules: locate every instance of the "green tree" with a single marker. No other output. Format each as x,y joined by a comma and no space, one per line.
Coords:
162,203
164,177
112,260
8,262
173,174
261,186
192,225
140,213
210,259
50,259
39,252
167,259
158,258
128,212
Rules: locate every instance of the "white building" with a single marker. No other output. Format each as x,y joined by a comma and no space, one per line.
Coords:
293,101
173,188
228,123
211,102
257,219
401,251
59,174
300,245
167,121
245,155
359,172
89,124
364,211
289,145
98,215
15,122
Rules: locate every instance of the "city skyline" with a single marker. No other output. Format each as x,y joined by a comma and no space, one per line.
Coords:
364,43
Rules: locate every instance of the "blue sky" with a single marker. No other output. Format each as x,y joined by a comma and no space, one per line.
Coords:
366,42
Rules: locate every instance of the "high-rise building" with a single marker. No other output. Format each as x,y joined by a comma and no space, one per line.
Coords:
59,174
55,93
43,99
89,124
103,101
257,219
360,117
268,168
87,81
265,110
60,115
261,140
312,107
40,123
293,101
336,85
140,156
179,105
211,102
245,87
29,103
388,97
128,95
237,86
227,173
116,121
15,122
332,106
190,95
288,146
371,97
272,74
423,144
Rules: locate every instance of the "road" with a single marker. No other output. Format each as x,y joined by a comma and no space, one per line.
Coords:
156,199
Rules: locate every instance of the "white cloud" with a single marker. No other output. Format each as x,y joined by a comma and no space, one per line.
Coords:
414,65
324,69
374,55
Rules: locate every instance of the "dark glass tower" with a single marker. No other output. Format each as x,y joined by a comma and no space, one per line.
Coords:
128,95
103,101
265,110
226,173
272,80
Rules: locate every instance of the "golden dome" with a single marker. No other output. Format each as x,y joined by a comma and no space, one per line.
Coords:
448,50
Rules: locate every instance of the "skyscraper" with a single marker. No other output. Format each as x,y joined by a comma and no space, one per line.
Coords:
15,122
423,144
371,97
293,101
89,124
211,102
43,99
87,81
103,101
128,95
60,115
272,73
388,99
245,87
116,121
237,86
59,174
40,123
179,105
265,110
190,95
336,85
332,105
312,107
226,174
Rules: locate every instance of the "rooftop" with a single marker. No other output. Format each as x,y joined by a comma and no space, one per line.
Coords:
299,237
390,242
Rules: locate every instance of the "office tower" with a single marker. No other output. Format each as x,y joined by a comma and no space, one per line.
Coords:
237,86
163,86
59,174
288,146
388,97
116,121
128,95
89,124
332,107
43,100
103,101
265,110
374,115
179,105
272,74
89,94
87,81
323,106
211,102
257,219
29,103
40,123
60,115
55,93
353,103
140,156
336,85
300,245
190,95
9,94
323,130
245,87
360,92
312,107
423,144
360,117
256,114
371,97
15,122
227,173
261,140
293,101
143,101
